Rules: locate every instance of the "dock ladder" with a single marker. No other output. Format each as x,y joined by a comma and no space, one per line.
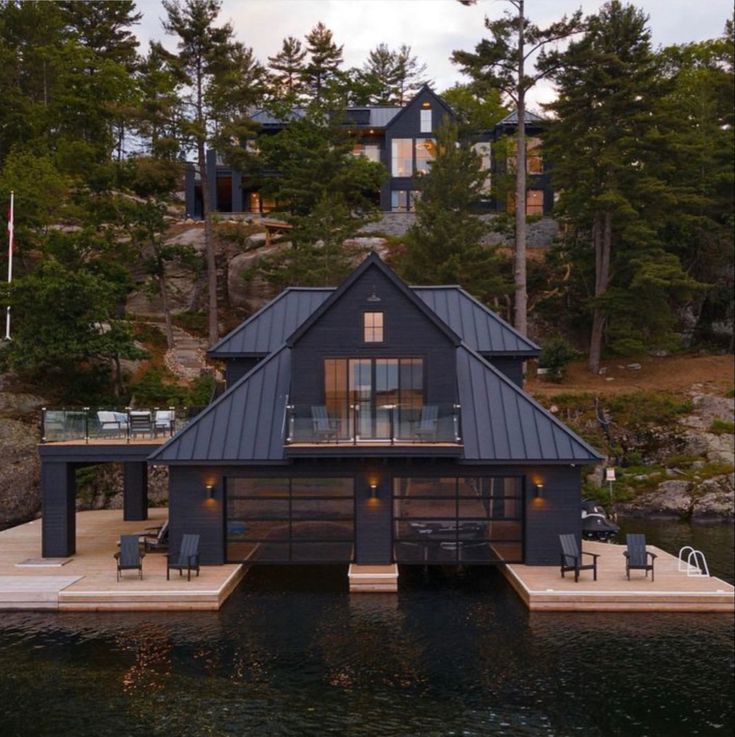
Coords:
695,563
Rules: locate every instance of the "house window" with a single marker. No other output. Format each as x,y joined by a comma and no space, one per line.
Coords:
399,200
535,202
371,152
425,153
483,151
534,160
372,327
402,157
425,121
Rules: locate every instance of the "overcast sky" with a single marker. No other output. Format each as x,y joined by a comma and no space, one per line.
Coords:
433,28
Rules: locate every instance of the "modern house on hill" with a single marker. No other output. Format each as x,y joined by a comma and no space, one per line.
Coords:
375,424
402,139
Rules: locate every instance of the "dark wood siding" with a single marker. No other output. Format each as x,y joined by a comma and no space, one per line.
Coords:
236,368
373,522
510,367
408,333
58,523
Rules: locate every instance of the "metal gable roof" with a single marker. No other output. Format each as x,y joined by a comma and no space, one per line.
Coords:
245,424
267,330
500,422
531,117
481,329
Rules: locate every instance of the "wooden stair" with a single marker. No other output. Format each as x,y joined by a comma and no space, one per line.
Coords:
373,579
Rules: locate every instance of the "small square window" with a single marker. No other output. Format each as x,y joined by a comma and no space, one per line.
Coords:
372,323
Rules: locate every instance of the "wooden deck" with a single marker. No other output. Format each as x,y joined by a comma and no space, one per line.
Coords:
543,588
87,581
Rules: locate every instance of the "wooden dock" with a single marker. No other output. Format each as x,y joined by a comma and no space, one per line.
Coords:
88,580
543,589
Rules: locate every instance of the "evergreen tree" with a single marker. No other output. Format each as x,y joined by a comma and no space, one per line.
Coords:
476,107
325,59
207,59
503,61
287,69
612,156
410,75
445,243
380,68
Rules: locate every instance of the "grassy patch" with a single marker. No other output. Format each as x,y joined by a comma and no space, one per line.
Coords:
193,321
722,427
730,394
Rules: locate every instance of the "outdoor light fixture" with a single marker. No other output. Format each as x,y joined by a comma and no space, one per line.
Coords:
539,491
373,491
210,491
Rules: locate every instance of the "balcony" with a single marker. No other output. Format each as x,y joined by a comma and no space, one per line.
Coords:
362,425
87,425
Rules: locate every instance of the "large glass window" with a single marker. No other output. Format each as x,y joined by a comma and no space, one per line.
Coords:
483,150
534,160
458,520
399,201
425,154
287,520
402,157
535,202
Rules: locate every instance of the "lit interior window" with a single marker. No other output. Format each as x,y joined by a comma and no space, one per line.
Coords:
373,327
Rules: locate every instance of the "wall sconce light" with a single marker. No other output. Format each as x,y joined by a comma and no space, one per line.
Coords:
539,491
210,491
373,491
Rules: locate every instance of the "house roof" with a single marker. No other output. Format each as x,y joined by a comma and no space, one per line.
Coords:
512,118
478,327
372,261
268,329
500,422
360,117
245,424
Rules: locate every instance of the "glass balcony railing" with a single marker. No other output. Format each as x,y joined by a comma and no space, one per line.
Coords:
364,424
125,425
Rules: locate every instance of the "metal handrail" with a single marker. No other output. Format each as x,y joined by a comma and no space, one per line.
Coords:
696,563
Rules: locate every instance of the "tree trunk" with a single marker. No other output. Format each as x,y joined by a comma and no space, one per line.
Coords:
165,304
602,238
212,321
521,294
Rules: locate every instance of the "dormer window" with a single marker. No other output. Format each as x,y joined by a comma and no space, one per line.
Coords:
425,120
372,327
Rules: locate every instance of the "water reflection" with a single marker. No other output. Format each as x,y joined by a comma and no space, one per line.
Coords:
292,653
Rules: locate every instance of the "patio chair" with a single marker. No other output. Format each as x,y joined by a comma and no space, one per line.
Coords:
636,556
187,557
112,423
141,423
129,556
324,428
163,421
571,558
426,429
155,538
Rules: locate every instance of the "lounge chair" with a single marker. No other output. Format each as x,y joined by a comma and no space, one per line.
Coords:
129,556
155,538
163,421
141,423
187,557
427,426
571,558
324,428
112,423
636,556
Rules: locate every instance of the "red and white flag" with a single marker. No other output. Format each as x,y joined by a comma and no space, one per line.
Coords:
11,218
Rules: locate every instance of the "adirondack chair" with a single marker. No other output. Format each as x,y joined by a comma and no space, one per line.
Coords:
426,429
129,556
155,538
187,557
571,558
636,556
324,428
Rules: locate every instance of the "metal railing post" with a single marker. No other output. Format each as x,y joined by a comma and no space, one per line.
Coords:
86,424
43,424
127,428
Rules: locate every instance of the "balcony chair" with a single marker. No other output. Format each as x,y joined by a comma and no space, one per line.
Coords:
187,557
112,423
141,423
428,422
324,428
636,556
571,558
163,421
129,556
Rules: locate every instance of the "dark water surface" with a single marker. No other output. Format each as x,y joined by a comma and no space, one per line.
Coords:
292,653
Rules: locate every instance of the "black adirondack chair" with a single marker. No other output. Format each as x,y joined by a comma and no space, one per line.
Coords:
324,428
155,538
186,559
427,426
129,557
637,558
571,558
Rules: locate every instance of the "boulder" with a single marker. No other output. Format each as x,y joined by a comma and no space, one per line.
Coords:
252,292
20,472
19,404
716,499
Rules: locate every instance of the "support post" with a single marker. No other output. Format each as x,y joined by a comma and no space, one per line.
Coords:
58,520
135,491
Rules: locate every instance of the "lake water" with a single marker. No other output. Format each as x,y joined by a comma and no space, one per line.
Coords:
292,654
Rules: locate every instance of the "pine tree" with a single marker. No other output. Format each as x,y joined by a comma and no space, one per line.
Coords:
612,158
380,68
288,69
410,75
325,59
502,61
445,243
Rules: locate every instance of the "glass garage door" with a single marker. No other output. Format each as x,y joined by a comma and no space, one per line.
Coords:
290,520
458,520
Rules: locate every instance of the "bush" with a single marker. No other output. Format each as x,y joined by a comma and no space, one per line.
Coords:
721,427
556,353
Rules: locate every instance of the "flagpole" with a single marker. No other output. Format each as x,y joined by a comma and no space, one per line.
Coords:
10,262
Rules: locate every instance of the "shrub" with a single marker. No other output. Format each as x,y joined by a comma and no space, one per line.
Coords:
722,427
555,355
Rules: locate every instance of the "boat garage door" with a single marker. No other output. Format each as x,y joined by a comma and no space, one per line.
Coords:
290,520
458,520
